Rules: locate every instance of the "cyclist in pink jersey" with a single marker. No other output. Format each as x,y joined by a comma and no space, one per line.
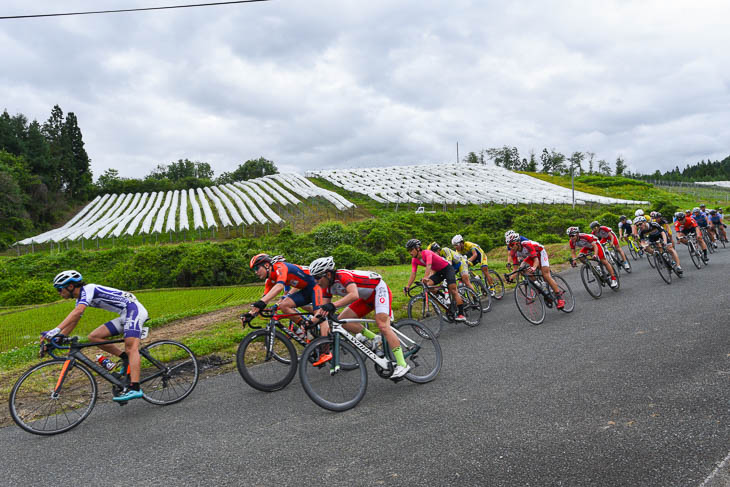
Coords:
437,270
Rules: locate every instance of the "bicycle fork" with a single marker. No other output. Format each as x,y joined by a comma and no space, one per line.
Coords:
61,379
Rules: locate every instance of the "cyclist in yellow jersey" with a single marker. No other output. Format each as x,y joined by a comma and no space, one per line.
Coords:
475,256
457,261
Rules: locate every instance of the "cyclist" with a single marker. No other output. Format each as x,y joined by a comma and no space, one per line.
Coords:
507,234
701,218
637,214
437,270
280,275
686,224
474,255
534,256
625,229
587,243
606,235
361,292
457,260
654,233
716,225
132,316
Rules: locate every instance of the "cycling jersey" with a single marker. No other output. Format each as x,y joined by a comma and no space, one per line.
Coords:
469,249
605,234
700,218
653,232
436,262
626,227
132,314
684,225
585,244
715,219
289,275
529,251
457,260
372,291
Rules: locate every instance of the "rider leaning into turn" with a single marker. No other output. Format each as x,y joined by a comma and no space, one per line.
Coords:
606,235
533,256
589,243
654,233
437,270
457,260
686,225
474,255
132,316
360,293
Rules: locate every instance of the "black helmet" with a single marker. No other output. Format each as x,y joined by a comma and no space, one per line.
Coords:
413,243
595,224
622,218
434,247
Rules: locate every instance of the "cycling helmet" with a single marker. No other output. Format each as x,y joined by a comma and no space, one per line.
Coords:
413,243
278,258
695,210
259,259
688,212
679,215
66,277
639,212
434,247
658,215
639,219
622,218
457,240
652,214
713,212
595,224
319,266
572,231
511,237
702,205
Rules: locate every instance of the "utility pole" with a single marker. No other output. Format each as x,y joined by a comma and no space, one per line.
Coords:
572,183
457,151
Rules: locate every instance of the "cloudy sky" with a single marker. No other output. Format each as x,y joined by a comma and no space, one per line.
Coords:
314,84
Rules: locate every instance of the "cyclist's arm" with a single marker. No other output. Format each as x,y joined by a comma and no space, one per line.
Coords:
348,298
411,279
70,322
275,290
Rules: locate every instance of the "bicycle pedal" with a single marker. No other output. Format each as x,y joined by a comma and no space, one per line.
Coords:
398,379
122,403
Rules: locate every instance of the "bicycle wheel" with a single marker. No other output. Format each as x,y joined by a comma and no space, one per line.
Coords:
430,314
650,259
708,242
336,391
566,293
498,284
694,255
529,303
661,268
169,372
35,408
472,307
263,370
620,262
633,251
483,292
421,350
590,281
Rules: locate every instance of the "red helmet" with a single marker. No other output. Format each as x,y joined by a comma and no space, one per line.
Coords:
259,259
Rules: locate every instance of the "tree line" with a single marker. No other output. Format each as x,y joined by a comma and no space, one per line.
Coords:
550,162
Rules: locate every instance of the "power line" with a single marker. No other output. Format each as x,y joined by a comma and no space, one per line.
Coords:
128,10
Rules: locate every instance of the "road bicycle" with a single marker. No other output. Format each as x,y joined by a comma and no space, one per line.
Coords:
694,251
497,291
433,305
718,236
708,240
533,295
634,248
663,263
267,358
617,259
54,396
337,388
594,275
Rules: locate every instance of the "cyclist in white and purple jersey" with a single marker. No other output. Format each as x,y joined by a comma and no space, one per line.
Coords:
132,316
437,270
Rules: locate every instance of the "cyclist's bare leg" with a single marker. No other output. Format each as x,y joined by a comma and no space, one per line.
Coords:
455,296
131,346
102,334
608,267
383,321
467,282
701,240
549,279
352,327
674,254
487,275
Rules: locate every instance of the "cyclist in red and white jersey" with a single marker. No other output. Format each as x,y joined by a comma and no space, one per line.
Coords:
589,243
437,270
606,235
684,225
534,255
361,292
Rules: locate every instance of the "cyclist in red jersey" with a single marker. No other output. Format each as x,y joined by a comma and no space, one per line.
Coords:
437,270
361,292
534,256
587,243
606,235
686,224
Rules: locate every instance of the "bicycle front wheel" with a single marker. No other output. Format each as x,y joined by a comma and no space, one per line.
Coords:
529,303
421,350
472,307
662,269
336,390
266,367
37,409
565,293
168,372
429,314
694,255
498,285
633,252
591,281
650,259
482,291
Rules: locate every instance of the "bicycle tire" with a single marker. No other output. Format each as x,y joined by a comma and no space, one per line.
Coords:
708,242
338,392
567,294
633,252
421,350
483,292
262,373
174,382
620,262
529,303
33,408
472,307
498,285
430,315
694,255
591,282
663,271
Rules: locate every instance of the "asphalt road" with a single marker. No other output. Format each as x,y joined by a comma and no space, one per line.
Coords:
631,389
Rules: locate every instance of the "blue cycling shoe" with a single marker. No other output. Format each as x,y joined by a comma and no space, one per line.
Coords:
129,395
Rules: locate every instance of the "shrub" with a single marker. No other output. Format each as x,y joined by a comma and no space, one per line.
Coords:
348,257
388,257
32,291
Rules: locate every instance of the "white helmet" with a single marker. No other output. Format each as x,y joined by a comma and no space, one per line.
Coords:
65,277
457,239
319,266
639,219
278,258
511,236
639,212
572,231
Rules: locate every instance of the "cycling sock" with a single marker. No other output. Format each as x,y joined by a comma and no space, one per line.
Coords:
123,356
134,386
398,354
367,333
461,309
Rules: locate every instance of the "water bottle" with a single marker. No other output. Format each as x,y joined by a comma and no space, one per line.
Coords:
105,362
299,331
446,298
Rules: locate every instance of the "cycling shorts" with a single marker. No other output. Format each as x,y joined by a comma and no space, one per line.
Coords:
611,239
480,261
586,250
544,262
130,322
307,295
461,267
381,301
447,273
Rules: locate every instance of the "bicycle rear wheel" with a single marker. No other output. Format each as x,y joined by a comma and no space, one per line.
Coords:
483,292
421,350
337,390
633,252
650,259
498,284
472,307
662,269
694,255
35,408
169,372
263,368
590,281
529,303
430,314
566,294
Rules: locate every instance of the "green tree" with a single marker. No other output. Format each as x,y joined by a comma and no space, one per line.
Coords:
591,156
620,166
604,167
575,162
504,156
78,176
532,165
251,169
471,158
